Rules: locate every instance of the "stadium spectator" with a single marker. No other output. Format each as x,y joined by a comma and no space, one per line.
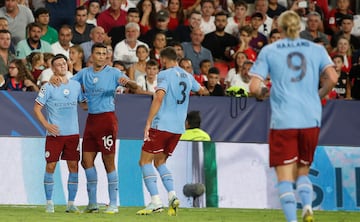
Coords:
62,12
36,64
258,40
207,8
245,37
159,43
195,51
242,78
219,42
81,30
162,21
183,31
179,49
97,35
186,65
335,15
312,30
5,55
148,82
48,33
62,130
18,17
166,105
18,78
112,17
274,36
262,7
176,14
76,56
193,131
239,58
212,84
125,50
293,138
341,86
117,34
139,68
274,8
93,11
147,13
346,26
33,43
239,19
62,46
343,48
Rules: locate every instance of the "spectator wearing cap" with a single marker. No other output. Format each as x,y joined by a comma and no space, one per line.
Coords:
112,17
258,40
207,8
213,86
18,17
346,26
312,32
262,6
162,21
117,33
42,17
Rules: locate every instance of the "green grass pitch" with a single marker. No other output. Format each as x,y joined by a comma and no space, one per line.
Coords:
25,213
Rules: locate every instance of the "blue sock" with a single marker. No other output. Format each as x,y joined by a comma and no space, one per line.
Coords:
287,200
166,177
113,187
150,179
305,190
91,177
72,185
48,185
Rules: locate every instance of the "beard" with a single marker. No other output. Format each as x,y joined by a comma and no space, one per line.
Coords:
220,29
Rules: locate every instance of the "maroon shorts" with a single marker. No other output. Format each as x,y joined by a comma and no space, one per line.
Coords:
64,147
100,133
161,141
293,145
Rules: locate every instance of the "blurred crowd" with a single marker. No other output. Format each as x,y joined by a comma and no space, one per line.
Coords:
216,40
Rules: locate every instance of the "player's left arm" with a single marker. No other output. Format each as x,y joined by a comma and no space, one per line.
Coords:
203,91
257,88
154,108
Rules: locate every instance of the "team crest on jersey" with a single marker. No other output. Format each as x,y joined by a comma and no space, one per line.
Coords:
47,154
95,80
42,92
66,92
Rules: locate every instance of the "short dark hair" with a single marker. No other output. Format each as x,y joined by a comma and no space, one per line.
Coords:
152,62
133,10
204,61
274,31
169,53
193,118
40,11
58,56
221,13
338,56
80,8
5,31
214,70
98,45
32,25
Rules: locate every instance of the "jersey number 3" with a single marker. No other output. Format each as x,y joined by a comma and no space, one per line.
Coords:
184,87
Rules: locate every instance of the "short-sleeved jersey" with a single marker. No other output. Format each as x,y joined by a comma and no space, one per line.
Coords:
61,105
177,84
99,88
294,67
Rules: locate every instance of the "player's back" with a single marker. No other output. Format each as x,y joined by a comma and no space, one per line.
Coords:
294,67
177,84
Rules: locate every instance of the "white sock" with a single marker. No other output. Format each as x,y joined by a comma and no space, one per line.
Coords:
171,194
49,202
70,203
156,199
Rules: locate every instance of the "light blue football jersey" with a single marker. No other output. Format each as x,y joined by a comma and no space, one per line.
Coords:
177,84
294,67
99,87
61,105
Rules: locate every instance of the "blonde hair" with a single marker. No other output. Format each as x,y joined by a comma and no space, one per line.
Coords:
289,22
